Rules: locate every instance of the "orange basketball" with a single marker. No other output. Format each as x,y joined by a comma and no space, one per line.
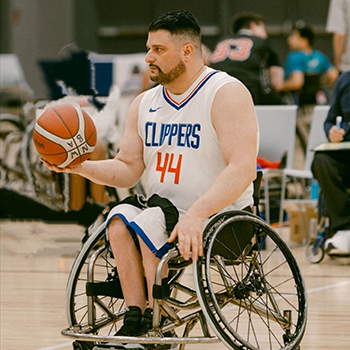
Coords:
64,135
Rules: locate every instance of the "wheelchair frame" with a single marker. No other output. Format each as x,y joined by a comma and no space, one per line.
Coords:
249,297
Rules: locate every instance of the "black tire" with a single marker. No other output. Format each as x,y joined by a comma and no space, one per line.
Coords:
247,292
108,309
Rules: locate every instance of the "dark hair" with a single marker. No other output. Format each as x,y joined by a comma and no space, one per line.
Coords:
306,32
180,22
244,19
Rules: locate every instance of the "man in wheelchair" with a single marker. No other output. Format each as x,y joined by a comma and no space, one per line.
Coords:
193,139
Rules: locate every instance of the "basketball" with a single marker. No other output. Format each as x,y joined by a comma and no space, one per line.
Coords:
64,135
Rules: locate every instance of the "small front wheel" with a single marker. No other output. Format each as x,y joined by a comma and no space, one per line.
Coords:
314,253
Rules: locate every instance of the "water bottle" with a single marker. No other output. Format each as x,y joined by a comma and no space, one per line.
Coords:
314,189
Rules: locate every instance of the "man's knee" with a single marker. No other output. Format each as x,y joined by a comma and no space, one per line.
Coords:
116,228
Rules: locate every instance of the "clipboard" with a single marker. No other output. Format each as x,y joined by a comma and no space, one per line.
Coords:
333,146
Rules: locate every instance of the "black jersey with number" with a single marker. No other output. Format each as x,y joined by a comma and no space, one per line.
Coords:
247,58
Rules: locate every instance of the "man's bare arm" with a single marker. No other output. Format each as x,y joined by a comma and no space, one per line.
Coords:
295,82
338,48
276,74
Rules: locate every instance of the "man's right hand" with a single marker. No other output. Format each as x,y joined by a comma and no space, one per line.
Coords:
335,134
68,170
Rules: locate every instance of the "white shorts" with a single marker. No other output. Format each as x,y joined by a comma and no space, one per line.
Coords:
148,224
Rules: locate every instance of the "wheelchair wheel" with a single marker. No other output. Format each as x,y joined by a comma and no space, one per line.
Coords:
252,298
314,253
94,299
11,134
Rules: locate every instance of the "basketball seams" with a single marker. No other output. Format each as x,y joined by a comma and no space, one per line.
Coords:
81,125
63,121
66,126
76,127
45,153
72,136
49,135
87,138
81,131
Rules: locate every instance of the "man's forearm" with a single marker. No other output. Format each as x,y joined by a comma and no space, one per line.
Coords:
110,172
227,188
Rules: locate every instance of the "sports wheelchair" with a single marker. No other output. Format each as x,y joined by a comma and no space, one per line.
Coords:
246,292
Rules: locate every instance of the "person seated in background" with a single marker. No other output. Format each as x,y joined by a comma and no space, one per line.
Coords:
332,168
249,57
306,71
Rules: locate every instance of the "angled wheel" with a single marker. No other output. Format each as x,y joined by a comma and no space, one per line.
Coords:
94,298
253,298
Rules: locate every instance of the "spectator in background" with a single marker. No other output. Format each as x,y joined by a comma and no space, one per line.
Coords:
307,71
332,168
338,23
249,57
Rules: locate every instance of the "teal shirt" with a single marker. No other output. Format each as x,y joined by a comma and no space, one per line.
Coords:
311,64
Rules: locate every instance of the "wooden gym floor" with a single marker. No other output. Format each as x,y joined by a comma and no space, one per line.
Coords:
36,259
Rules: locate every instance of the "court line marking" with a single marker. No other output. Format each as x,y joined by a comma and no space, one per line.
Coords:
318,289
58,346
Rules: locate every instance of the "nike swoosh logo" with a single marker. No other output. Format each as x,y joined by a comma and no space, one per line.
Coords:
152,110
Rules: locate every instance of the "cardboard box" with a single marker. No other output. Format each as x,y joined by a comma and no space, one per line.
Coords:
300,214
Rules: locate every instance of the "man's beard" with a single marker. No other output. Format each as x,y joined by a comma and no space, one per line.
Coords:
167,78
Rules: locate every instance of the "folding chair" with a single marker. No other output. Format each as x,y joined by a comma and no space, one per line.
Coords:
316,137
277,137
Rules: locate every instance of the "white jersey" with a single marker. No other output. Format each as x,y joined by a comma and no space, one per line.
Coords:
181,148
